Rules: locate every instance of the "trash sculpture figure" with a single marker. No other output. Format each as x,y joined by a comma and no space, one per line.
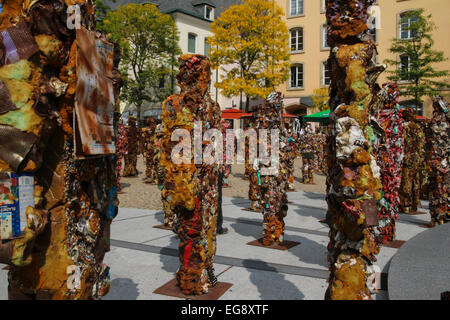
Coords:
272,186
65,173
413,162
191,189
133,138
288,152
354,186
148,143
439,162
121,150
390,160
307,147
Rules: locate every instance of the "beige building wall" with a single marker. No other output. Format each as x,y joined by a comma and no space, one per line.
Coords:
314,53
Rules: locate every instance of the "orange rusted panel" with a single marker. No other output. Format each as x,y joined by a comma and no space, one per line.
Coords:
94,98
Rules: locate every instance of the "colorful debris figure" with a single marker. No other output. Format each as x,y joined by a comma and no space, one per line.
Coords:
439,162
273,197
320,159
353,183
390,160
413,162
121,150
288,152
133,139
192,189
169,215
60,255
227,154
307,147
148,143
252,166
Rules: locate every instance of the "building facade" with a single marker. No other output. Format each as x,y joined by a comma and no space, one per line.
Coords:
193,19
306,22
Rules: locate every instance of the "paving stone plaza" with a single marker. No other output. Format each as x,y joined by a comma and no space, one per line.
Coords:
144,258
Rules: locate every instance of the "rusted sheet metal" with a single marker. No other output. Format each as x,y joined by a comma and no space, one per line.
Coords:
94,98
16,43
6,103
15,145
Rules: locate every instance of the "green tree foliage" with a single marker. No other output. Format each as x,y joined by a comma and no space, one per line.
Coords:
321,97
149,43
420,78
101,9
250,44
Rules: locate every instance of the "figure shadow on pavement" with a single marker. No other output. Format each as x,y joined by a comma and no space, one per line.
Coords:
305,211
271,284
315,195
160,216
171,263
238,175
122,289
308,251
413,220
247,230
124,185
240,202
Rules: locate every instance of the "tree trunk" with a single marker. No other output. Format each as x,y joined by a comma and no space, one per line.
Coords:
138,109
240,102
247,104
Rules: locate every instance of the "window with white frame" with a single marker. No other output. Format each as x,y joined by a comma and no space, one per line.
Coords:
324,37
297,39
326,80
405,68
209,13
192,39
296,76
296,7
405,24
207,47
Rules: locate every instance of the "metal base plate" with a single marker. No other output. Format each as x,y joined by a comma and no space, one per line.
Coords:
414,213
172,289
396,244
163,226
285,245
249,209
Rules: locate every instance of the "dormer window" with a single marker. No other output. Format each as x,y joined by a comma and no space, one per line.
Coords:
209,13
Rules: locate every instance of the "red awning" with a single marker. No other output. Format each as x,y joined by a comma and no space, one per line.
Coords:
420,118
234,114
288,115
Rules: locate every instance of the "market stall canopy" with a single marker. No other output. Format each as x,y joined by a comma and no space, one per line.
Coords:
234,114
288,115
322,117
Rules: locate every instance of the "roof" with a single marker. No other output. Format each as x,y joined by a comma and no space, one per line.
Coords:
307,101
190,7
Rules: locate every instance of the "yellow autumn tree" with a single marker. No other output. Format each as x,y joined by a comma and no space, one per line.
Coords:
320,97
250,45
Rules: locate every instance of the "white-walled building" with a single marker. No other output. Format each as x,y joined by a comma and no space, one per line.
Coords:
193,19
